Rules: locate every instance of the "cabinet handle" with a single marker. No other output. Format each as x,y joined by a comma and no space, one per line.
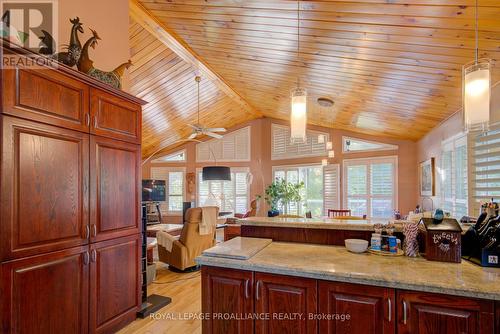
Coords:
87,119
87,232
404,312
94,230
247,293
94,256
257,290
86,258
95,122
389,306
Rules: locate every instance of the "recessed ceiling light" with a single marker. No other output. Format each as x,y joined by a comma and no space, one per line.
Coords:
325,102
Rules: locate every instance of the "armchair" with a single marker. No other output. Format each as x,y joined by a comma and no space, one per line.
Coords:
251,213
190,244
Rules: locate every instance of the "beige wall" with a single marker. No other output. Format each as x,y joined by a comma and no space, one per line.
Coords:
261,163
110,18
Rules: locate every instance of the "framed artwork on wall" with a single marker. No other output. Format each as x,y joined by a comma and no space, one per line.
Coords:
427,179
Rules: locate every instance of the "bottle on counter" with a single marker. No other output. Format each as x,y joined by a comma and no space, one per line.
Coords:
376,242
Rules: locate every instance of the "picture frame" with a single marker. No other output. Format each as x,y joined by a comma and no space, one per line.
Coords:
427,177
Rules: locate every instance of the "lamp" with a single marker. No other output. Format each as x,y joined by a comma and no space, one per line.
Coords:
298,115
476,89
215,173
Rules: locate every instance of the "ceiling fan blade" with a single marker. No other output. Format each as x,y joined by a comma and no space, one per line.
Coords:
215,129
192,136
214,135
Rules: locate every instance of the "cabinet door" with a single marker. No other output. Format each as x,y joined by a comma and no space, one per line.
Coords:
227,292
46,96
114,188
46,293
429,313
356,309
44,193
288,302
114,283
114,117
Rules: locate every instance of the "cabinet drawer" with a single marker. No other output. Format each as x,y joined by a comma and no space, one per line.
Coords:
114,283
46,96
46,294
114,117
45,195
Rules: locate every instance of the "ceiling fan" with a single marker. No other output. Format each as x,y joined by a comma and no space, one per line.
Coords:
199,129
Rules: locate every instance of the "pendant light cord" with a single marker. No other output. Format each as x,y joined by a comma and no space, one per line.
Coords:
477,34
298,40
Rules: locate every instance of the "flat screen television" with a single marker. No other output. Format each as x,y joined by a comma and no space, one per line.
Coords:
153,191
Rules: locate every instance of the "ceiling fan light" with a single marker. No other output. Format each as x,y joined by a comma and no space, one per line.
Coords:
216,173
298,115
477,95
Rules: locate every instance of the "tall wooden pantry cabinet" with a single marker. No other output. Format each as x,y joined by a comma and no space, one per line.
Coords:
69,203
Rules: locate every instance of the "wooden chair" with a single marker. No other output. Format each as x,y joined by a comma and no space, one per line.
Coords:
336,213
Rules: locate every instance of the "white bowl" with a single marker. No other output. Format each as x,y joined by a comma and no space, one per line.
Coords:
356,245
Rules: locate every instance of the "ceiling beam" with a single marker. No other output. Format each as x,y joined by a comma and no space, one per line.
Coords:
155,27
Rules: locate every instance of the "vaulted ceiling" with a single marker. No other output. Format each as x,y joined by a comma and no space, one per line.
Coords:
392,67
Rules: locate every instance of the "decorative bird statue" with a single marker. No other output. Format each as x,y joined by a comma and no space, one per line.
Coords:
74,49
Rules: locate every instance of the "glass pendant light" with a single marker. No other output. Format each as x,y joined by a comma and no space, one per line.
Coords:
476,89
298,114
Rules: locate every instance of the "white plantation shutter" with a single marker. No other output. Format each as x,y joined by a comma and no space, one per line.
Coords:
174,178
234,146
331,177
485,166
230,196
282,148
453,176
371,186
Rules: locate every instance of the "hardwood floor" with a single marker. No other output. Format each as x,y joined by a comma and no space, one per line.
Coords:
185,291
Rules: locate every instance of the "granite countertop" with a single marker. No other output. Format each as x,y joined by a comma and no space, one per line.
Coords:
318,223
335,263
326,223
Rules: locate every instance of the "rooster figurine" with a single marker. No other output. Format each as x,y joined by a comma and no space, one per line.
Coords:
86,65
74,49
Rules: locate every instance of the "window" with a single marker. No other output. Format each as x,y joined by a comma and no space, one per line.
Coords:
370,186
485,167
234,146
229,196
282,148
359,145
312,176
179,156
453,176
174,178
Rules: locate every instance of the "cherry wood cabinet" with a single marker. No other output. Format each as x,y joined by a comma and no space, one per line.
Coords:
288,301
114,283
435,313
114,183
285,304
44,193
47,293
69,202
227,292
46,96
369,309
114,118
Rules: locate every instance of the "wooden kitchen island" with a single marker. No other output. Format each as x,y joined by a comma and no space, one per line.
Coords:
306,288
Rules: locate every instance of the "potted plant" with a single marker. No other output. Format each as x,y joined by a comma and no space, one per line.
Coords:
280,194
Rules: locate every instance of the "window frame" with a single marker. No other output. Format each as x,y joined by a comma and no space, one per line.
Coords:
450,145
233,170
387,147
166,203
162,159
368,162
296,167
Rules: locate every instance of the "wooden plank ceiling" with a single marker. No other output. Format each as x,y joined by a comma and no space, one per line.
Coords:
393,67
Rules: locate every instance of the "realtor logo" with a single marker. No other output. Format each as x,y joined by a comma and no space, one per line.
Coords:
23,23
